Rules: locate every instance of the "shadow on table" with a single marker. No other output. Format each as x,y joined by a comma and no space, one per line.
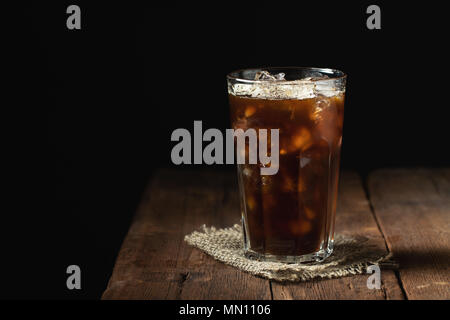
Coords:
424,259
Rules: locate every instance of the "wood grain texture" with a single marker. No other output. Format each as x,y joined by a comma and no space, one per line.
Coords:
413,210
354,217
155,262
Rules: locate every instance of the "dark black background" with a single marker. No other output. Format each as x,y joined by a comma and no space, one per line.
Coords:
100,104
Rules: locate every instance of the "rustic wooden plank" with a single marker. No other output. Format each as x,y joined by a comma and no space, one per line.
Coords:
354,217
154,261
413,209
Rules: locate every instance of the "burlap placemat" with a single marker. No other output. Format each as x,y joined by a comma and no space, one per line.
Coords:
352,255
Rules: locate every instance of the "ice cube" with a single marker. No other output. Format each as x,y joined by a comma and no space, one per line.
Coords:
316,114
265,75
300,227
321,105
304,161
304,226
325,88
301,140
280,76
249,111
276,86
314,75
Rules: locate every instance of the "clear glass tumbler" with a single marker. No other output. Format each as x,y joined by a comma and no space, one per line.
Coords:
289,216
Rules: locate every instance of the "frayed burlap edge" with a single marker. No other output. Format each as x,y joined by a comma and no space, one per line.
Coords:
352,255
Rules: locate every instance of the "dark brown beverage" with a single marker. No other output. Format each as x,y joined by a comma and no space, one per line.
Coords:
291,214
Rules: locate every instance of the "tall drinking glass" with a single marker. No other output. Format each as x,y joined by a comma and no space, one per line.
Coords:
289,216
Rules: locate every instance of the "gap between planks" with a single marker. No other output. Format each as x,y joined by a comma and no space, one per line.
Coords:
365,184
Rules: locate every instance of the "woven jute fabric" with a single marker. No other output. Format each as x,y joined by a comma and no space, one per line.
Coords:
352,255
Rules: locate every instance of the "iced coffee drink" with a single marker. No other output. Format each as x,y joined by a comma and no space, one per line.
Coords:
289,216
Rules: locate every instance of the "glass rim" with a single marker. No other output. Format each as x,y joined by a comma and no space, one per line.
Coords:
333,74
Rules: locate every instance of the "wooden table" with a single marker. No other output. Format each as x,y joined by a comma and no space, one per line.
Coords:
407,211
